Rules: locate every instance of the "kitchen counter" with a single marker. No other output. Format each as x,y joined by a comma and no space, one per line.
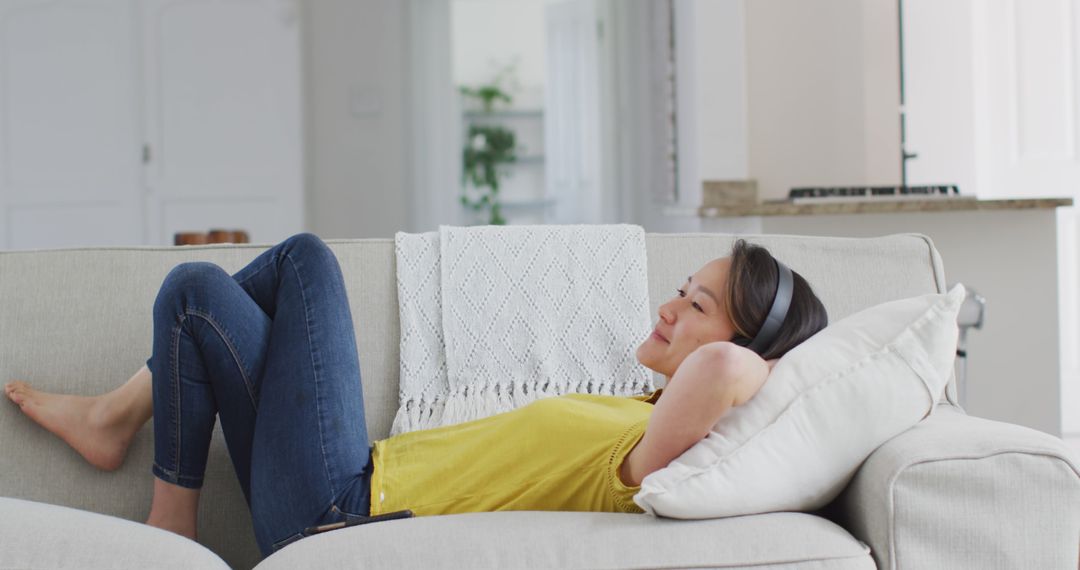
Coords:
879,206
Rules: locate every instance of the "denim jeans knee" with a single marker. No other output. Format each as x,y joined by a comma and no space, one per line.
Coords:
183,279
308,247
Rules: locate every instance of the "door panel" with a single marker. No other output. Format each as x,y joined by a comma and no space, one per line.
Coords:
68,120
224,111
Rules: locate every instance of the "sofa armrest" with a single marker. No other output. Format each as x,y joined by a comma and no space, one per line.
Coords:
957,491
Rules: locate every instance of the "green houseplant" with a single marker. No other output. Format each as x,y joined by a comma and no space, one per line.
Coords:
488,148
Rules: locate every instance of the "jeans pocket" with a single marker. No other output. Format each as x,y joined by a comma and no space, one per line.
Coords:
287,541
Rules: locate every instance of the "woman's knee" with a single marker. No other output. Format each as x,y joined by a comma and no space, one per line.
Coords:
304,241
309,247
187,279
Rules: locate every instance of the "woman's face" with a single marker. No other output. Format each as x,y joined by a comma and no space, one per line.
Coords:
689,319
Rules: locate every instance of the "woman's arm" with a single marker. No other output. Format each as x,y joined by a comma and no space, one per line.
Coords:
709,381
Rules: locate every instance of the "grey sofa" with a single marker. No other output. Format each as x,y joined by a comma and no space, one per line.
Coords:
953,492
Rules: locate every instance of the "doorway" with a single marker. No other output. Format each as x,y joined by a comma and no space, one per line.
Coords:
512,87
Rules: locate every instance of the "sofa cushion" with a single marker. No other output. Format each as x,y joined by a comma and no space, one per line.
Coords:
40,535
543,539
826,405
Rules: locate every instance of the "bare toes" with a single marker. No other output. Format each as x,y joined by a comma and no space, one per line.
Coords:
16,386
24,402
16,396
23,396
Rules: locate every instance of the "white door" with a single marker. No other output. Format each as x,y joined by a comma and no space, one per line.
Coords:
69,158
572,111
223,117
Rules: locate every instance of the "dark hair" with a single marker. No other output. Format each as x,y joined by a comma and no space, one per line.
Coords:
751,287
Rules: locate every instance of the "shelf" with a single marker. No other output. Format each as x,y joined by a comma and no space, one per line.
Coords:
784,208
530,159
506,114
536,203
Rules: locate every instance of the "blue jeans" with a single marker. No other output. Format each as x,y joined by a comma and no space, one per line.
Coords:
272,351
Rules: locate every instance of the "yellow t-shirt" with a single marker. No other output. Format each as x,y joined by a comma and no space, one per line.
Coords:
555,454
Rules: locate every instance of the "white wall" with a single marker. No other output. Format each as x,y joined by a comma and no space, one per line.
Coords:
489,34
823,94
356,100
712,104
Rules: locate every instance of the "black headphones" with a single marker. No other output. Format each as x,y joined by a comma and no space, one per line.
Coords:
780,305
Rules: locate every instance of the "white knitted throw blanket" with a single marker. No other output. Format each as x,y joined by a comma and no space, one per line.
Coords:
496,317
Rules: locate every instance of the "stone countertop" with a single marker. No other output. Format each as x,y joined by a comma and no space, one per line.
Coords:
882,206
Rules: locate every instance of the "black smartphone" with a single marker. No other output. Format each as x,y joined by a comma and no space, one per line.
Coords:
359,520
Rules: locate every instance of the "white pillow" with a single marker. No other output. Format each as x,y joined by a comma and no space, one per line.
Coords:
827,404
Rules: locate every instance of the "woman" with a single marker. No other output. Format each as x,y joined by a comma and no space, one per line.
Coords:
271,351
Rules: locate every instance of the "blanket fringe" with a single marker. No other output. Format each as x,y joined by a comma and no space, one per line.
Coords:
467,403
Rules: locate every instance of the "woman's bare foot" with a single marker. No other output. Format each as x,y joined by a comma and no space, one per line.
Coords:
82,422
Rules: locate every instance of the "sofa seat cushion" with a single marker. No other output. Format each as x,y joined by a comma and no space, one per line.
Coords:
544,539
40,535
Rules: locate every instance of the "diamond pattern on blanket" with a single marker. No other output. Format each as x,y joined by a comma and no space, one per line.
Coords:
535,311
526,312
422,376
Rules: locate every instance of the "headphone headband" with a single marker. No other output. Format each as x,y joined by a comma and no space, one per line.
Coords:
780,305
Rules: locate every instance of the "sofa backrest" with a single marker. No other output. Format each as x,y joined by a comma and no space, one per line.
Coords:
79,321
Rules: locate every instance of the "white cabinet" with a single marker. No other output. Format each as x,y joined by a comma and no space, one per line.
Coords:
124,121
